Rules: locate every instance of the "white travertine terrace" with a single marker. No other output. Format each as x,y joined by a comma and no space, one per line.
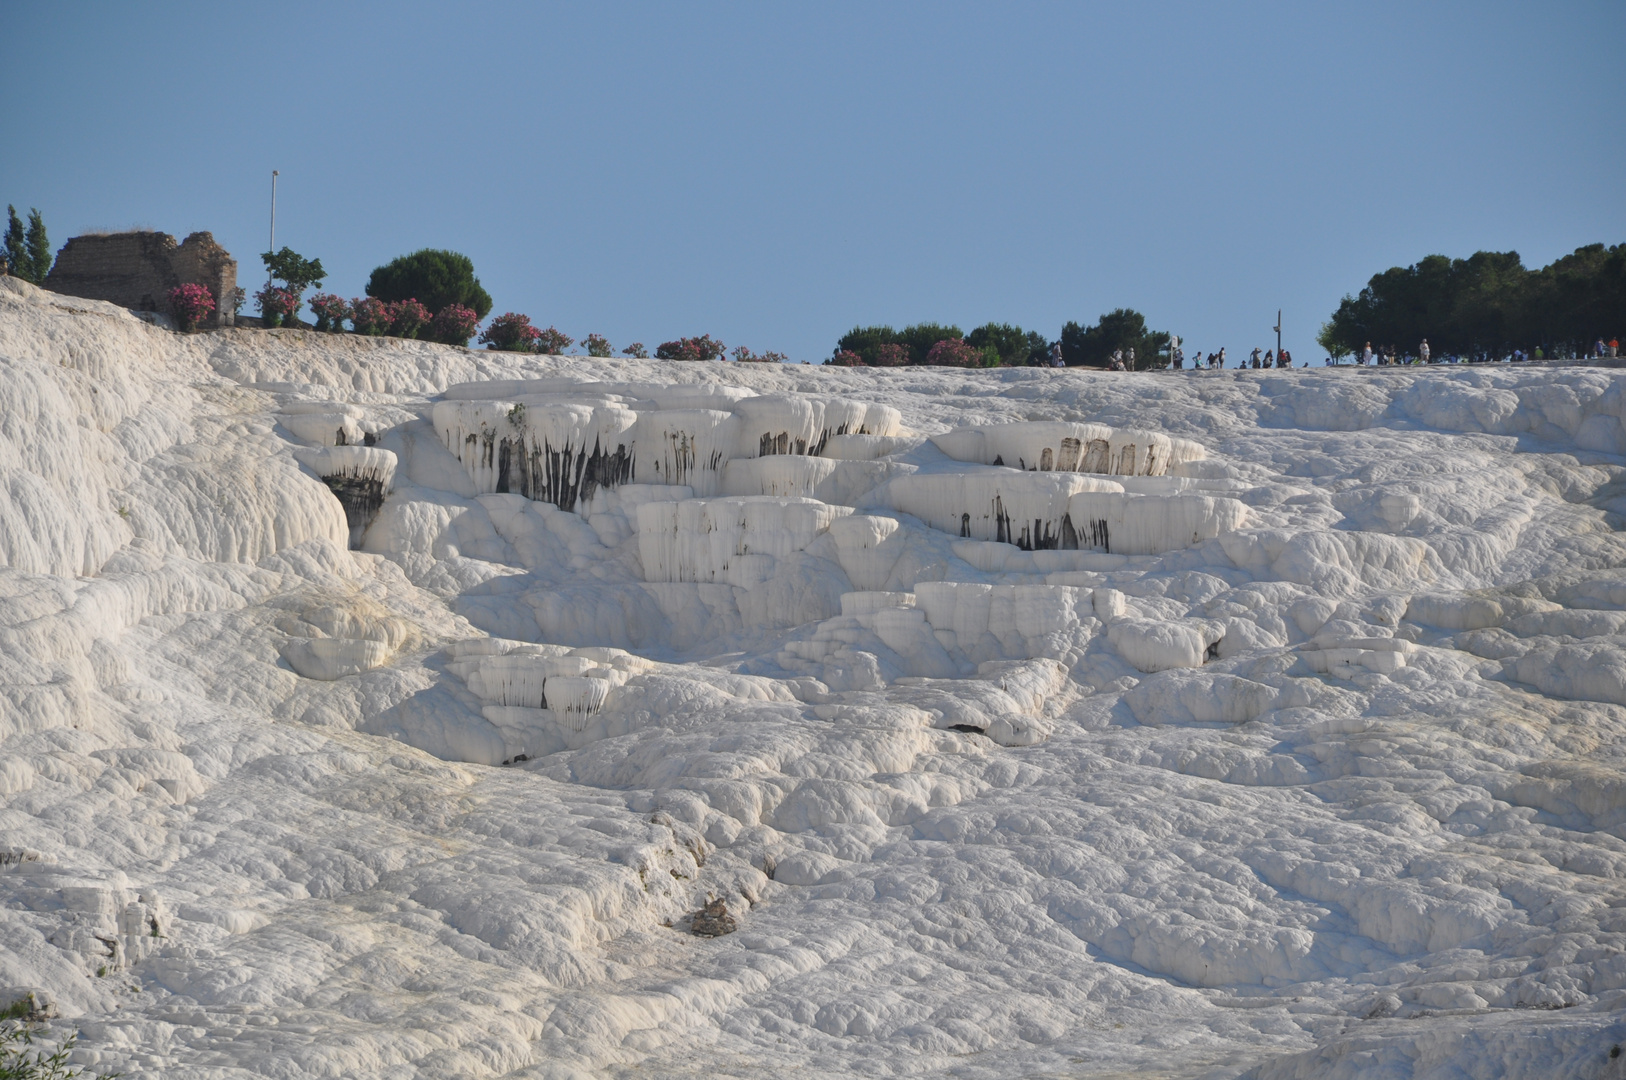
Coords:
375,708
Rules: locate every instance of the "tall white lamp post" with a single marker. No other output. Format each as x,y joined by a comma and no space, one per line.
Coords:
273,246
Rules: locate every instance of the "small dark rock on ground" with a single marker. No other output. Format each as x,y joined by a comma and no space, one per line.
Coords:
713,920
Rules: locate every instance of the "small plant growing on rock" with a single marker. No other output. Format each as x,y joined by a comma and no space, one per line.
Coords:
597,345
191,304
19,1060
331,311
407,317
370,316
277,305
636,350
552,342
511,332
845,358
703,347
453,324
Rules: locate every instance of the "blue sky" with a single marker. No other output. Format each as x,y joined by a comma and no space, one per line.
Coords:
775,174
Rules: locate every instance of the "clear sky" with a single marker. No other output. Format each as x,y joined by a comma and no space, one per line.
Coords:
774,174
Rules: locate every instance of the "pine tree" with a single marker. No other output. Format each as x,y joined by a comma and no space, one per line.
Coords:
39,248
16,247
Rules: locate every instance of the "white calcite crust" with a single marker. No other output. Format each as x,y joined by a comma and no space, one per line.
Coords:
376,708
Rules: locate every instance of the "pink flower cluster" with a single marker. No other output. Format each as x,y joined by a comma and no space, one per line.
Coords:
454,324
510,332
191,304
331,311
953,352
597,345
370,315
696,348
846,358
407,317
891,354
552,342
277,304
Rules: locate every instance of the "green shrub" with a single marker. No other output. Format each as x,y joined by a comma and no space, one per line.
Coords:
1012,344
867,341
437,279
408,318
1123,328
954,352
19,1060
553,341
864,342
294,270
511,332
453,324
699,348
891,354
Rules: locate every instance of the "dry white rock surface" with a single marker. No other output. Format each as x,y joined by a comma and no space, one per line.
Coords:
376,708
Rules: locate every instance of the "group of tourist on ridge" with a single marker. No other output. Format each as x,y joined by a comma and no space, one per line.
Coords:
1484,308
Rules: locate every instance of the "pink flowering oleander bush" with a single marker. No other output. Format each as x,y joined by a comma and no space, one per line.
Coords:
510,332
277,304
453,324
953,352
407,318
636,350
891,354
746,356
845,358
370,315
331,311
597,345
552,341
191,304
696,348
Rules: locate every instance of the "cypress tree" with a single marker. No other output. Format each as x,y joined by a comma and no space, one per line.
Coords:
16,247
39,249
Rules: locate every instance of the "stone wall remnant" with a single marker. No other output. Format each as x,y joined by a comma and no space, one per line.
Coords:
137,270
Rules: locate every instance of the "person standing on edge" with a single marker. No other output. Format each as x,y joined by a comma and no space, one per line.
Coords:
1056,357
1366,355
1422,352
1614,347
1219,361
1253,358
1129,359
1284,359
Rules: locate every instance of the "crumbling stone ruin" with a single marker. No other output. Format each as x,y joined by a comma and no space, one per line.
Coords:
138,269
